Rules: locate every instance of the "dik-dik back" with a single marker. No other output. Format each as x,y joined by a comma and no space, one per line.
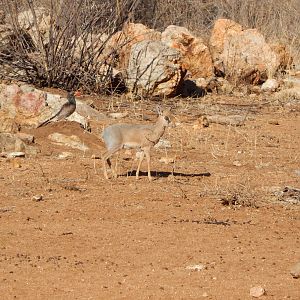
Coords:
126,135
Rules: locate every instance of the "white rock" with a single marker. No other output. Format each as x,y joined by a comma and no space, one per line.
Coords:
295,270
65,155
15,154
154,69
257,291
198,267
72,141
37,198
237,163
271,85
79,119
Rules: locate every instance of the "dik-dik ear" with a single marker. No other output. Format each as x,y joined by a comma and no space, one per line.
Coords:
159,110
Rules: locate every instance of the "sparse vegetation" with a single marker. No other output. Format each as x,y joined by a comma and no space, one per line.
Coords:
66,46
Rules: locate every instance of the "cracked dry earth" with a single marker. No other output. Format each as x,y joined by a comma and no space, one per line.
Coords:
214,223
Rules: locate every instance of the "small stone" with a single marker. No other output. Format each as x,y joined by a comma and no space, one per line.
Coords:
237,163
295,270
257,291
37,198
72,141
15,154
270,85
273,122
205,122
65,155
204,294
198,267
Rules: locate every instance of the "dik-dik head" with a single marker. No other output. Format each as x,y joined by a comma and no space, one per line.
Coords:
164,115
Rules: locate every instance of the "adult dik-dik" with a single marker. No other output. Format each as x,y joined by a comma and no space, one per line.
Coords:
137,136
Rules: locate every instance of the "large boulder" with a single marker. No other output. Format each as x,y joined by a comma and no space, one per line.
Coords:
196,58
242,55
154,69
120,44
222,30
24,105
21,103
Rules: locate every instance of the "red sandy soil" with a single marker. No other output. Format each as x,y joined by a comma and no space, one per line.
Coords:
89,238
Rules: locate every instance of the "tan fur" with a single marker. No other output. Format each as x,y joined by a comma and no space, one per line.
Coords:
141,137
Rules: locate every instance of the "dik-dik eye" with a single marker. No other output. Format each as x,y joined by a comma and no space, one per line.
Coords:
167,119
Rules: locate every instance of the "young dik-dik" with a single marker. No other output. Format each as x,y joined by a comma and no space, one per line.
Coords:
141,137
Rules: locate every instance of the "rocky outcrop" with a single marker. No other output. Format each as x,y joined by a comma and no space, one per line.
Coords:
195,55
121,42
222,30
24,105
242,55
154,69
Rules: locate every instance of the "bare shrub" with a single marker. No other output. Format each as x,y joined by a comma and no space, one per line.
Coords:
241,194
66,47
61,43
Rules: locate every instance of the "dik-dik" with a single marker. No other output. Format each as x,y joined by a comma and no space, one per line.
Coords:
129,136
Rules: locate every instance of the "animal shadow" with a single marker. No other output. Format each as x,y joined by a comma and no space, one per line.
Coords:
158,174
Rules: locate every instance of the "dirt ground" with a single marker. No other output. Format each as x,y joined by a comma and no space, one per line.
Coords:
213,223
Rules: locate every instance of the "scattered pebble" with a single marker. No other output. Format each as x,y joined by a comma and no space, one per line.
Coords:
257,291
270,85
295,270
273,122
205,122
37,198
204,294
65,155
198,267
15,154
237,163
